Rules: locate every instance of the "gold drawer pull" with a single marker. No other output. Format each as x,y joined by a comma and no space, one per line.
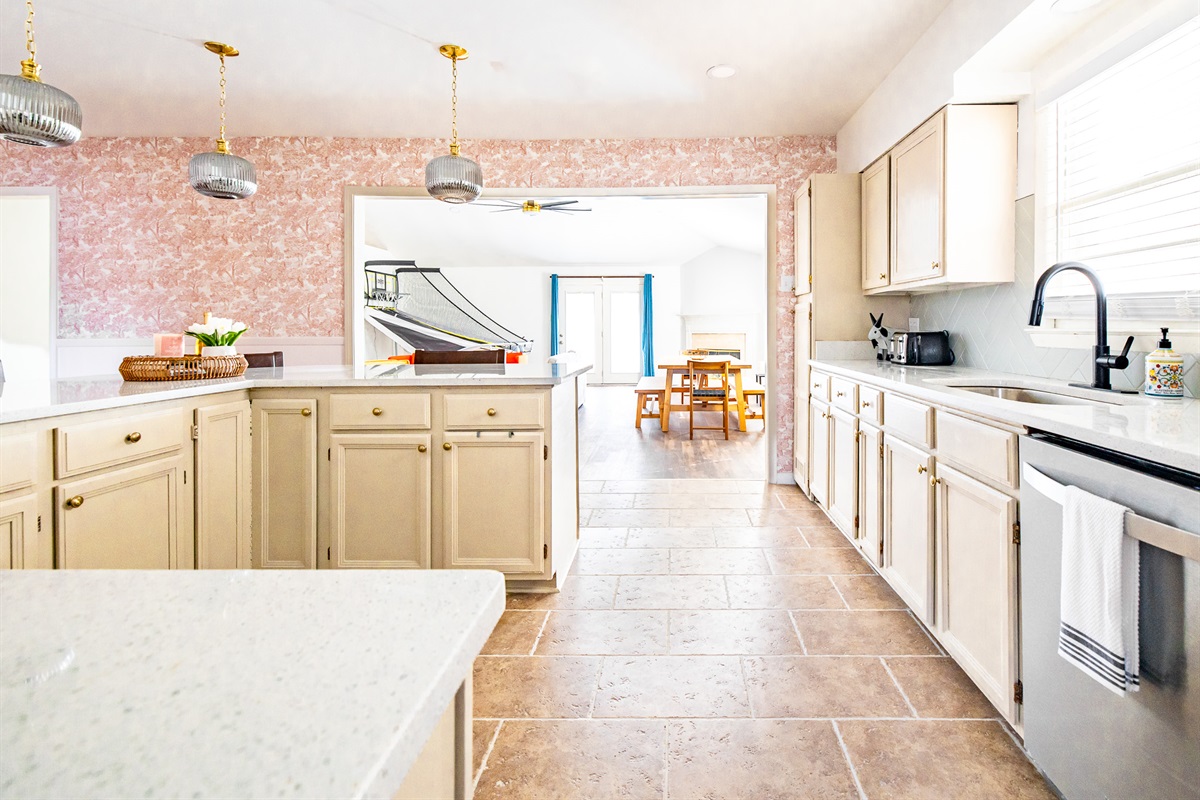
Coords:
491,412
133,438
421,448
816,386
921,468
841,394
934,265
306,412
75,502
445,445
934,481
377,411
883,276
866,403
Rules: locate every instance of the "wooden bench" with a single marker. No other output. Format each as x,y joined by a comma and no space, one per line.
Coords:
761,395
650,389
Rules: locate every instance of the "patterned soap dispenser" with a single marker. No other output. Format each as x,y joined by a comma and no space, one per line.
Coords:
1164,370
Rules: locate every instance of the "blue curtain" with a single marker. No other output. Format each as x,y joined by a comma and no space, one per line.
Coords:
553,315
647,327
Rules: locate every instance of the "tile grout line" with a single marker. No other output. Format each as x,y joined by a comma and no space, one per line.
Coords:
541,630
596,688
796,628
899,688
845,602
486,753
746,686
862,793
936,644
803,538
616,590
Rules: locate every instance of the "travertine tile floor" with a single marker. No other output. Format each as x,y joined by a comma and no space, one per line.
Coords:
719,640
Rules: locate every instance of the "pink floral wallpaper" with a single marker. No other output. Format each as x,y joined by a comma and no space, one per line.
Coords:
141,252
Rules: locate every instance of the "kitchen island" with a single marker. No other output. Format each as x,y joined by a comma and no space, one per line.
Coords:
240,683
424,467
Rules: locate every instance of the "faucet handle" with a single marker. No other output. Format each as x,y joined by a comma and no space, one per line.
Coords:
1117,362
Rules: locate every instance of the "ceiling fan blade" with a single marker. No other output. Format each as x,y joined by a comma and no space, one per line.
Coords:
500,205
506,208
558,203
566,210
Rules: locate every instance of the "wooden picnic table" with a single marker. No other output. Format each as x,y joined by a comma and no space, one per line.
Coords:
679,365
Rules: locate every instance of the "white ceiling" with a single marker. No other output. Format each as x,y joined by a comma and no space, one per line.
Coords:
619,232
583,68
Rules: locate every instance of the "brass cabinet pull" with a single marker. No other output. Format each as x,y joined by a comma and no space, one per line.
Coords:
306,412
133,438
857,435
921,468
421,448
445,445
75,502
377,411
883,276
491,412
816,386
865,404
934,265
841,394
934,481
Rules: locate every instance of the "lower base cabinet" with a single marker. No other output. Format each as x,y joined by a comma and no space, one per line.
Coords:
124,519
17,515
222,435
285,483
380,490
870,493
818,459
977,583
493,508
908,525
843,472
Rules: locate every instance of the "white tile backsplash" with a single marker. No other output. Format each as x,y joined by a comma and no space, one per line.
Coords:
987,326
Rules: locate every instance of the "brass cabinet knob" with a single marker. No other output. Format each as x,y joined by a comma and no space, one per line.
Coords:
934,265
840,394
421,448
377,411
133,438
306,412
445,445
934,481
816,386
921,468
883,276
75,502
865,403
491,412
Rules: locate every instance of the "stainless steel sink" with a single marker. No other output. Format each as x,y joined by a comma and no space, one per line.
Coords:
1039,396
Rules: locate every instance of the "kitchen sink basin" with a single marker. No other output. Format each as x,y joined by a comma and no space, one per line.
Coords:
1038,396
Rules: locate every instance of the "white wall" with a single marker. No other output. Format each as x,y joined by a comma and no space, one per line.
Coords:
27,286
724,291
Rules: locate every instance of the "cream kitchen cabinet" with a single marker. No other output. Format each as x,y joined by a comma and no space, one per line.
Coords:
123,519
380,491
876,224
843,471
908,553
977,583
285,482
952,195
492,502
870,493
17,515
223,502
818,459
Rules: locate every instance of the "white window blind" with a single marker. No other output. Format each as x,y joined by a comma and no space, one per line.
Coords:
1126,184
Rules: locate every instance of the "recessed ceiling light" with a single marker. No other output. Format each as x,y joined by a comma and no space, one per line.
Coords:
722,71
1072,6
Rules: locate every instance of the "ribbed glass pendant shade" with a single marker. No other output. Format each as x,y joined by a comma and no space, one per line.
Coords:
222,175
34,113
453,179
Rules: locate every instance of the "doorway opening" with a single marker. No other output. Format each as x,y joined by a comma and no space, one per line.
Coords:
600,321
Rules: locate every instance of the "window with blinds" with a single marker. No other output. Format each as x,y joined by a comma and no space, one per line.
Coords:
1126,184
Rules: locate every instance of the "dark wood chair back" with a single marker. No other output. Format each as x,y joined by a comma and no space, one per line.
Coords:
264,359
494,356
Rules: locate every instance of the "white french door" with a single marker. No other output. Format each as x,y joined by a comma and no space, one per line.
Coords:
601,320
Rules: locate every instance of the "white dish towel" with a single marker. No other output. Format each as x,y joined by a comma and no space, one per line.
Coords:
1098,630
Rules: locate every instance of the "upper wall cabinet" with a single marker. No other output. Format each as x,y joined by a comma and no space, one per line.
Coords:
951,188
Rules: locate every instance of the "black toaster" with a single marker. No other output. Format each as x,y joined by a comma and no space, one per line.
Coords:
920,348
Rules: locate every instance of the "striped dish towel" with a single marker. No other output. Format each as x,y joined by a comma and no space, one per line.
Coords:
1098,629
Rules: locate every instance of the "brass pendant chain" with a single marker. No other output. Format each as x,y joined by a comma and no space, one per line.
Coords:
29,67
222,102
454,105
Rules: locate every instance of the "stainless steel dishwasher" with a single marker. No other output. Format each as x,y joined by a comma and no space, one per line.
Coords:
1090,742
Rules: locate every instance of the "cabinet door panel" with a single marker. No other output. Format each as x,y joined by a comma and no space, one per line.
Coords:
818,460
977,591
803,221
18,520
870,494
843,471
917,196
493,510
285,480
380,500
908,525
803,329
223,486
876,222
127,519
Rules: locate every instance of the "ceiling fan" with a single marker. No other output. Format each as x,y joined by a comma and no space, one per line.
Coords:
533,206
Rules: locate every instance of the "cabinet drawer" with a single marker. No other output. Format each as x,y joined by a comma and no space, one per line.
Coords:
870,405
987,451
845,394
18,461
93,445
391,411
819,386
494,411
909,419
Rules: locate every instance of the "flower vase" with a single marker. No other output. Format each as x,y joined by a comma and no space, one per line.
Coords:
222,350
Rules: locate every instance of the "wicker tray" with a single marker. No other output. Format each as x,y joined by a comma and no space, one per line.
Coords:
183,368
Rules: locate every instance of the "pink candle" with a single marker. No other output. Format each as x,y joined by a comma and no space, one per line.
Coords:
168,344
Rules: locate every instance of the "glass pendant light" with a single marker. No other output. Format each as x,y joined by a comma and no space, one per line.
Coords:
221,174
453,178
32,112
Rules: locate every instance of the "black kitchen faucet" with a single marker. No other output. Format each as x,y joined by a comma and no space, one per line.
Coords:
1104,363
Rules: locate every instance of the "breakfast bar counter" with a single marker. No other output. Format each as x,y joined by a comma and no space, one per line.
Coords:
240,683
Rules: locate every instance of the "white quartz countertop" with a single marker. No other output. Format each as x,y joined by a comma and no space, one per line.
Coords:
230,683
74,395
1165,431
